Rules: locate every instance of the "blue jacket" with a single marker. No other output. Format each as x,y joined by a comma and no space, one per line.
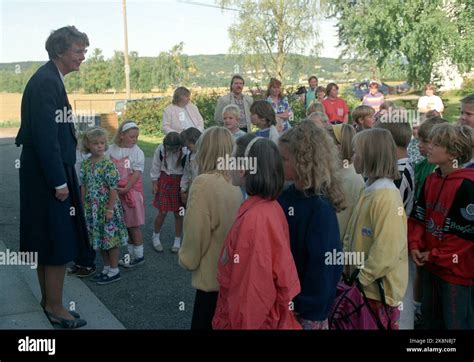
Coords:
314,231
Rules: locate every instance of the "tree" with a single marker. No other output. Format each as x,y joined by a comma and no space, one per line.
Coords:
117,73
419,33
172,68
95,73
267,31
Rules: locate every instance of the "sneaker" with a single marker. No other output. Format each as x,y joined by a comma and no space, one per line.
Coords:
174,249
135,262
98,277
107,280
85,272
123,260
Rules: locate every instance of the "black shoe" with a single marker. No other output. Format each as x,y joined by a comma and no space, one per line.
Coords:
65,323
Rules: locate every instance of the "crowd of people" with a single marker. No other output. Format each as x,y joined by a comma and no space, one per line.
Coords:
256,239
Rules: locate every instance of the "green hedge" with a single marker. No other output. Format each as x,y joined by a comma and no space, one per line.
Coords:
149,113
467,87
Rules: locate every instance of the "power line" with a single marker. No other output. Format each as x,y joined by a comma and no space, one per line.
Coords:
186,2
207,5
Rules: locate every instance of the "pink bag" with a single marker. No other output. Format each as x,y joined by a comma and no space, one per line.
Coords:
352,310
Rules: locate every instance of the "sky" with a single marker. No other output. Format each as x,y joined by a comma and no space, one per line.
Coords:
153,26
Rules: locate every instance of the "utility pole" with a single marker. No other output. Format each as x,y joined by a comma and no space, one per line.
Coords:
127,65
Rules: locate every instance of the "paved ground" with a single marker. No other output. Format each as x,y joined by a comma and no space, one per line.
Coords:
156,295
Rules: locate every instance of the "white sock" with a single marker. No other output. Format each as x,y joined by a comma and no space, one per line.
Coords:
138,251
156,239
113,272
177,242
106,269
130,250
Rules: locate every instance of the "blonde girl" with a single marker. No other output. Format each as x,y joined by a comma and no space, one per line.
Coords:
130,162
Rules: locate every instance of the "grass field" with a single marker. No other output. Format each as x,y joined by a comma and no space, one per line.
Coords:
148,144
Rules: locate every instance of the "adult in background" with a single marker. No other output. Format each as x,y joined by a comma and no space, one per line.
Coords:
51,215
280,105
181,113
430,101
374,98
310,94
336,108
238,98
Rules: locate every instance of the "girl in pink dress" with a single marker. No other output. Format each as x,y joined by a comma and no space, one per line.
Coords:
130,162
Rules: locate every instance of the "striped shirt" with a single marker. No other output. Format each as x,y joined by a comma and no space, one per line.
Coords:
373,100
406,184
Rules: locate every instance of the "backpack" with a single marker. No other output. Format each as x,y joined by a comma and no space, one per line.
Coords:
351,309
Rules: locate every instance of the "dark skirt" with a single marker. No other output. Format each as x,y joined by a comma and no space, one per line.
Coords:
54,229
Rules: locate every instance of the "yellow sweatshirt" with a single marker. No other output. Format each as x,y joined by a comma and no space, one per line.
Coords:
378,228
212,208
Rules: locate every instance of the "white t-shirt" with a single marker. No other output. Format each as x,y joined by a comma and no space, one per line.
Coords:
134,154
431,103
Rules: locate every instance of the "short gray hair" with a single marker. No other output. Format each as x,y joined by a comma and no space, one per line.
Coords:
60,40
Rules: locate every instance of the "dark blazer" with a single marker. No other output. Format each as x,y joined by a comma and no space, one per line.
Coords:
44,123
55,229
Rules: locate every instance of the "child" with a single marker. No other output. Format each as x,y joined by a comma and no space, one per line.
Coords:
320,94
441,234
319,118
231,115
130,162
378,225
207,222
104,215
310,206
363,118
315,106
256,272
384,110
190,136
262,115
352,182
413,148
166,172
423,168
401,133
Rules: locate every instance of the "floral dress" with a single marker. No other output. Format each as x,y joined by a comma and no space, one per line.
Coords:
98,178
281,107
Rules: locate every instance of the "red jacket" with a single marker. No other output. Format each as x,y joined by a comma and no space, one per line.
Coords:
256,272
443,223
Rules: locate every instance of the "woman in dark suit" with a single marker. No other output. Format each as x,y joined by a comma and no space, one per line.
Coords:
51,215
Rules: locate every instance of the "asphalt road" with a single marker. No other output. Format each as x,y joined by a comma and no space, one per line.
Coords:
155,295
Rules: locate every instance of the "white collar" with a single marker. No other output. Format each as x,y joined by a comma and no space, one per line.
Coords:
60,74
381,183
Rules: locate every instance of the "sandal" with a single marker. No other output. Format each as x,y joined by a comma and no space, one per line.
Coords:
65,323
